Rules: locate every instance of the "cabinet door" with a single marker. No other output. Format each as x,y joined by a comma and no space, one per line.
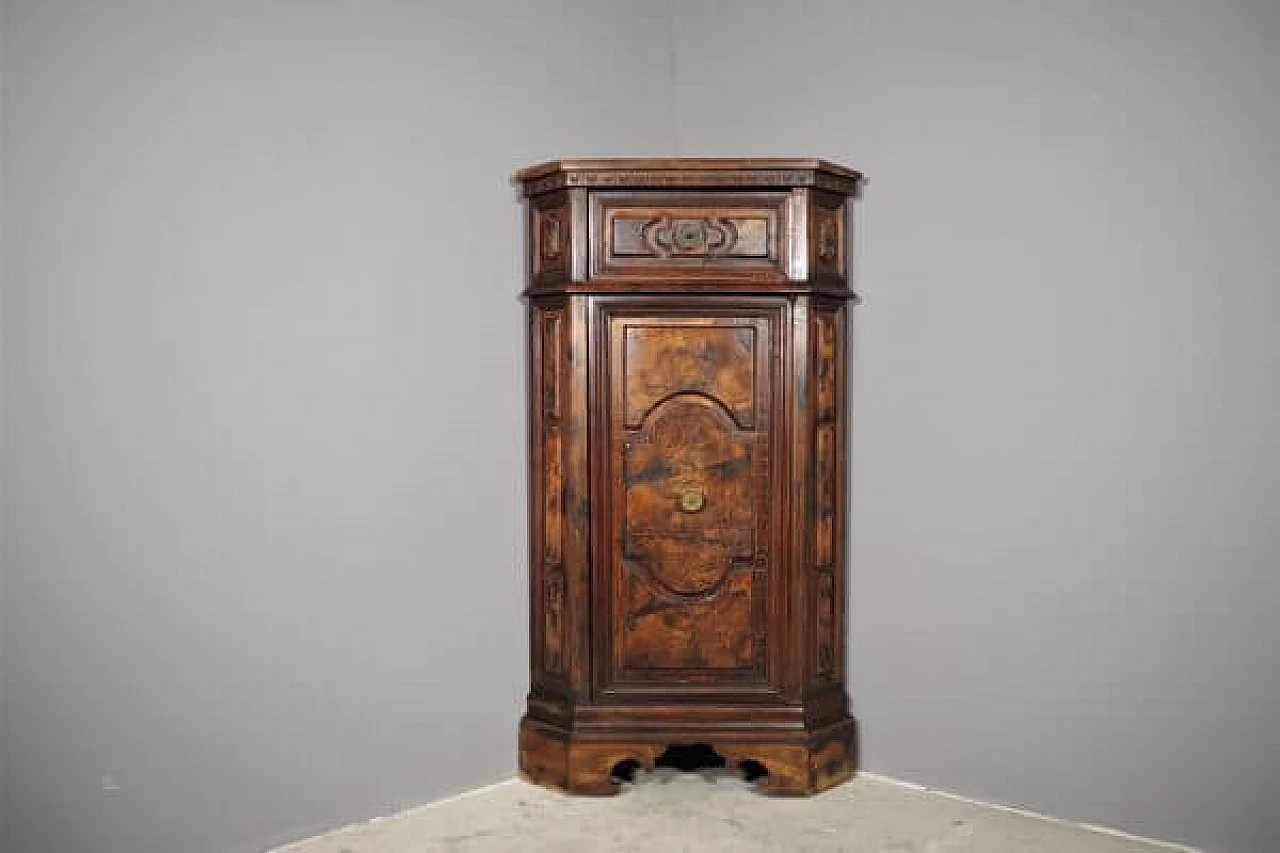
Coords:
690,471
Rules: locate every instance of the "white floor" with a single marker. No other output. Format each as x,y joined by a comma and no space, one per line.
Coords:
675,812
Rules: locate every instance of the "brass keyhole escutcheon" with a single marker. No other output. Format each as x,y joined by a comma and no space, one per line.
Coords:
689,234
692,500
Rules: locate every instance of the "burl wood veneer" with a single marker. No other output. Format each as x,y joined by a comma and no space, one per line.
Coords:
687,468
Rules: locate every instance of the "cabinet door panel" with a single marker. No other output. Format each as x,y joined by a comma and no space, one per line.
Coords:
691,517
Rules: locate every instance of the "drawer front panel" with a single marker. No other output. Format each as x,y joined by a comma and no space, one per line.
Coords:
712,235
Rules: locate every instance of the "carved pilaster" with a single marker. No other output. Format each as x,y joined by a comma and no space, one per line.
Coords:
827,476
552,593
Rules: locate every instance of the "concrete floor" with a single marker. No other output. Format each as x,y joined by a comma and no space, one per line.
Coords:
674,812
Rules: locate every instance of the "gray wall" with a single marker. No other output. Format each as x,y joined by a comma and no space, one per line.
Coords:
1066,467
263,365
262,373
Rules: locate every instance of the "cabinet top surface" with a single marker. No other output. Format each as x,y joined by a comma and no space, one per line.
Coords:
699,172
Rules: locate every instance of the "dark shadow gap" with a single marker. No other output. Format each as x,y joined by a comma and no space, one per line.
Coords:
690,757
625,770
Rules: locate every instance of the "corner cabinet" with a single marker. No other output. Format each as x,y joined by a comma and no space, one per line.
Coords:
688,422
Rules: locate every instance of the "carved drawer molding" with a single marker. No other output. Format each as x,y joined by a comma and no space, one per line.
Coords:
714,235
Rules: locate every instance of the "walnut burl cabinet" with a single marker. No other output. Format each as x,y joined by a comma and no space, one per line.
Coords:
687,468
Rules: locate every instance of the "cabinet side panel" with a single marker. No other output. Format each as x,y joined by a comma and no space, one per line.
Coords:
577,489
546,495
827,502
550,238
799,532
828,216
558,523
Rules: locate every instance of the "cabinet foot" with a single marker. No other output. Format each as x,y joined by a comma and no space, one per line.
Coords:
555,759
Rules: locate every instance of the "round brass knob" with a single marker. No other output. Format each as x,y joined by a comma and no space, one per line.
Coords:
692,500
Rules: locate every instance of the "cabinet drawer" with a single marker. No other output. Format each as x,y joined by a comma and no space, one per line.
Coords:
690,235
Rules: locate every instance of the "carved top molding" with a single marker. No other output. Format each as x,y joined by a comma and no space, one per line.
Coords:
688,173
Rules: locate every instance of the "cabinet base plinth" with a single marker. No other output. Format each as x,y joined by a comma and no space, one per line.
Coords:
796,766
